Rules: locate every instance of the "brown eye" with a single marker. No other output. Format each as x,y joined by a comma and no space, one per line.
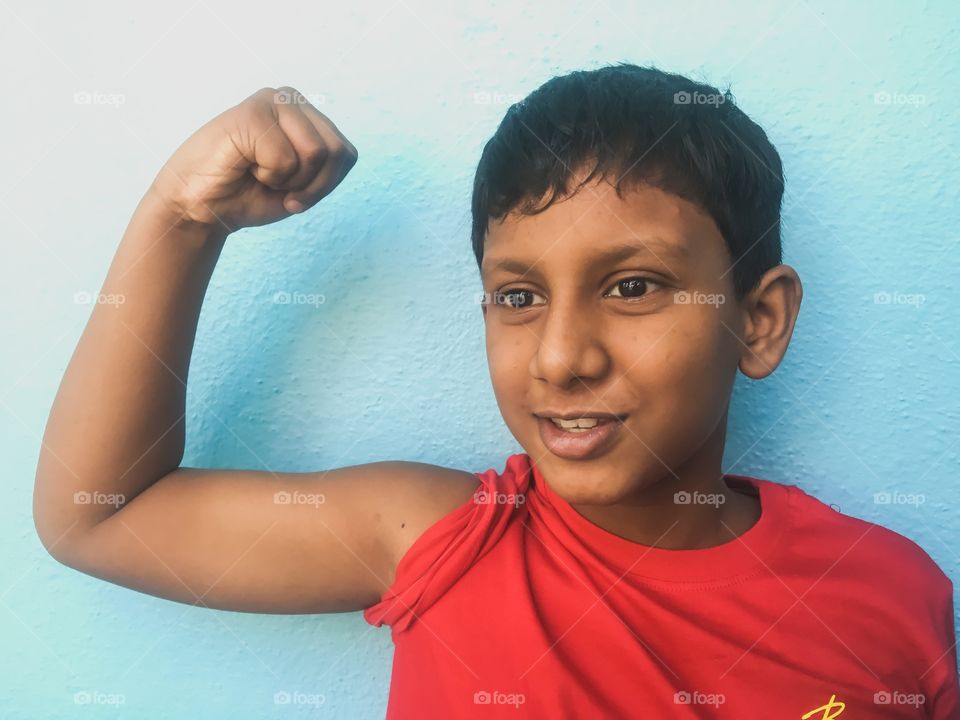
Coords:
518,299
634,287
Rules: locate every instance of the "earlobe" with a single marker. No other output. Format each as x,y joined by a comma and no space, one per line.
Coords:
772,308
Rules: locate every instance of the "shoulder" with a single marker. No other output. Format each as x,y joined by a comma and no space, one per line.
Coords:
863,552
420,496
444,520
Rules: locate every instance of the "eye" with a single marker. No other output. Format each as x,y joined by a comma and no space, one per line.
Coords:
633,287
517,298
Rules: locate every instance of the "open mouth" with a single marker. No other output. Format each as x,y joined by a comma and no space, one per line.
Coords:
578,425
579,438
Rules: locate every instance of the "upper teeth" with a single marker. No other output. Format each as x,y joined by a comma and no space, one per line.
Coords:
577,423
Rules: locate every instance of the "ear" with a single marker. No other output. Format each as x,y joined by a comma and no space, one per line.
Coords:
770,313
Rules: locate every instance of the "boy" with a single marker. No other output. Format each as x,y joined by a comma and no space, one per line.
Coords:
626,225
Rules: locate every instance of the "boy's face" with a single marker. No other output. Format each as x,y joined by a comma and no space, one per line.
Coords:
584,341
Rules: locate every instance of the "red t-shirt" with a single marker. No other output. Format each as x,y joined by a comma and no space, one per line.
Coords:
516,606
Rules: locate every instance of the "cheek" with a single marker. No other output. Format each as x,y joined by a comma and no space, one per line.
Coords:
685,377
508,359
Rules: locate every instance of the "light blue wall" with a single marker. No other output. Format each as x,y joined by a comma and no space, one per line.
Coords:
392,365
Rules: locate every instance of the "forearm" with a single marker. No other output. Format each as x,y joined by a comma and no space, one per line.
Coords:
117,423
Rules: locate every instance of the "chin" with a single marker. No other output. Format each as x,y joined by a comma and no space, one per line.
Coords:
592,482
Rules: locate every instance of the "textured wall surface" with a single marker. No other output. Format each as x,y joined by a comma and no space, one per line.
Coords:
860,101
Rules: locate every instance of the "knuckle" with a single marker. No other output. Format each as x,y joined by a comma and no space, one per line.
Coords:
278,162
286,164
346,153
247,112
254,110
286,95
316,155
263,94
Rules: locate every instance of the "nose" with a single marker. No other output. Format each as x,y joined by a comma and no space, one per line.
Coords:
570,346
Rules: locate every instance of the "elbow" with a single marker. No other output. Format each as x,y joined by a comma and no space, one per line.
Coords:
58,537
51,541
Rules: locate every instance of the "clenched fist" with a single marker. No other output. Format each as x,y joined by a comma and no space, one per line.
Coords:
268,157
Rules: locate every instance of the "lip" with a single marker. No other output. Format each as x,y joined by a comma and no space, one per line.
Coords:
580,445
576,414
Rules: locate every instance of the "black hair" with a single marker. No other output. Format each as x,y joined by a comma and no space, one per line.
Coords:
640,125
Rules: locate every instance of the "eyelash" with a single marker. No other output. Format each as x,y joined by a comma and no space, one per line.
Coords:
516,291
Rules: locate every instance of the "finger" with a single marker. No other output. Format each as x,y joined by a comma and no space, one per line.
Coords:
264,144
342,156
326,127
309,145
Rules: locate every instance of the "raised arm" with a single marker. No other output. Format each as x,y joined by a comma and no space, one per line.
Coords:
110,496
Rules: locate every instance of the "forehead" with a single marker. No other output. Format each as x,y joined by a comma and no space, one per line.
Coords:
596,226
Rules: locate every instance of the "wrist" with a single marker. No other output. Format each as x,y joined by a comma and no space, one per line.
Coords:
170,219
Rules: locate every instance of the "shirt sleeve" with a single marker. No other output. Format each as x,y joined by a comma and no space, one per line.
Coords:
944,699
446,550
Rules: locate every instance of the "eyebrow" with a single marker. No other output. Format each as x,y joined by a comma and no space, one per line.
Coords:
653,246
